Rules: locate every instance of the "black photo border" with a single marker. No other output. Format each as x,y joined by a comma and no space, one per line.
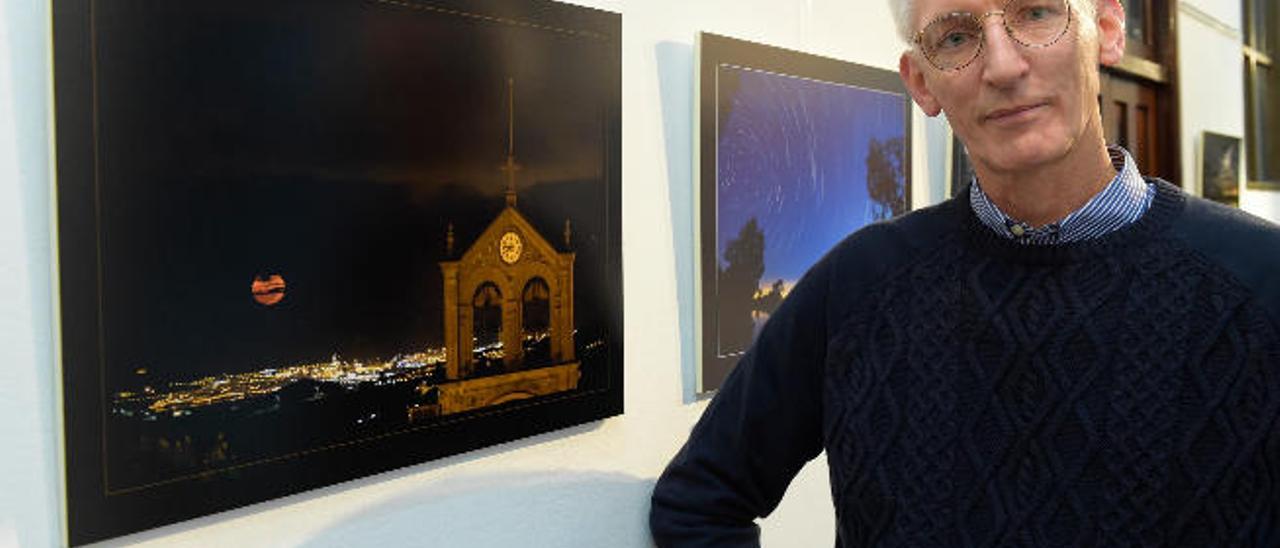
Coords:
94,514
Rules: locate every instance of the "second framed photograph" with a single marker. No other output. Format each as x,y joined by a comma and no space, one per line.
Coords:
1220,168
795,152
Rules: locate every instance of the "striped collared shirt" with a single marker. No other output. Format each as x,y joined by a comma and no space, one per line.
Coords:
1122,202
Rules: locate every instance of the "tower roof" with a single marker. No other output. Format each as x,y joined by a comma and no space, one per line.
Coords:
510,167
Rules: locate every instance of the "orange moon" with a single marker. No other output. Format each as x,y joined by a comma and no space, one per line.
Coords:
268,290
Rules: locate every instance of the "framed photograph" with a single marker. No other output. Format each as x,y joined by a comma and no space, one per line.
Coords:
795,152
1220,168
302,242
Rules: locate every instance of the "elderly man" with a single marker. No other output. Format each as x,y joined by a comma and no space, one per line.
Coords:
1066,354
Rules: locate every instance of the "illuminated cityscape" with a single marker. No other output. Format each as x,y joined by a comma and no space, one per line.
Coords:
166,428
182,398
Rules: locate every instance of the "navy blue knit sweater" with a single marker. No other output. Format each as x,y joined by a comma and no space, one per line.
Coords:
972,391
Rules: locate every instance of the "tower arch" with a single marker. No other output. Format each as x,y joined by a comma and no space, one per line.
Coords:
487,326
535,321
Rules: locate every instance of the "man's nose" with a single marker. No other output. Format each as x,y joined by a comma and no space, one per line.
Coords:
1005,62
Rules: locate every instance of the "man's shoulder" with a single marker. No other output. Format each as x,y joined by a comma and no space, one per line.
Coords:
916,230
1229,234
882,247
1245,245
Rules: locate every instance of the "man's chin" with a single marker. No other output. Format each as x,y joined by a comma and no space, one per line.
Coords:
1017,157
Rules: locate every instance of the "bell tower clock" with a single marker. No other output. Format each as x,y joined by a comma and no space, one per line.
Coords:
510,247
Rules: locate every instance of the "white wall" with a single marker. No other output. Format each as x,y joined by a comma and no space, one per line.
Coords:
29,507
587,486
1211,68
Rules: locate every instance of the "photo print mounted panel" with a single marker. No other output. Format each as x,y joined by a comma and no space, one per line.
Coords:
1220,168
795,152
307,241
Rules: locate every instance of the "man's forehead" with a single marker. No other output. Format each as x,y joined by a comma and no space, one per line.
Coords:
926,8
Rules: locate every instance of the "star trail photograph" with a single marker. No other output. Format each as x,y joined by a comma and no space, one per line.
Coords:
307,241
798,151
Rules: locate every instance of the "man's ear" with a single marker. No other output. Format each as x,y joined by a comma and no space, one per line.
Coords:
913,77
1111,35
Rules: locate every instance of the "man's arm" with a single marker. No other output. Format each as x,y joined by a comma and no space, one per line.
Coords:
762,426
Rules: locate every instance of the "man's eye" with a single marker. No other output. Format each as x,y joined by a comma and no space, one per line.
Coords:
954,39
1037,14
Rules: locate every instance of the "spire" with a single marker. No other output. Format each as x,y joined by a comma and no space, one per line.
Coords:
448,241
510,167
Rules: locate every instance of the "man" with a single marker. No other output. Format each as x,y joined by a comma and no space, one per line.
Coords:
1066,354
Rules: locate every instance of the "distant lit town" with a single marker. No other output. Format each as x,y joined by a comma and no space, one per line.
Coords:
182,398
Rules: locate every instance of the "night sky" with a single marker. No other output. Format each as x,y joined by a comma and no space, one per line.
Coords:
329,143
792,154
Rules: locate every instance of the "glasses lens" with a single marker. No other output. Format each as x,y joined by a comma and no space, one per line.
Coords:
1037,23
951,41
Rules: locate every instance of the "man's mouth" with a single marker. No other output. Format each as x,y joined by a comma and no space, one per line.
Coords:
1013,113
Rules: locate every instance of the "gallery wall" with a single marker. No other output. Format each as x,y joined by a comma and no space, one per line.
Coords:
29,513
586,486
1210,69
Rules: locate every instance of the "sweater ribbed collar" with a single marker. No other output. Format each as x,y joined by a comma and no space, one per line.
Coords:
1168,203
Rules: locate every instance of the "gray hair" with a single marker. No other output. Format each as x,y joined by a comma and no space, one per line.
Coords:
903,10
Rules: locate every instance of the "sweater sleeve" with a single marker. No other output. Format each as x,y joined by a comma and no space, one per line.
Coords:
761,427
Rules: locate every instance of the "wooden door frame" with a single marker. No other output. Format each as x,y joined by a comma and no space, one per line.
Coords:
1160,72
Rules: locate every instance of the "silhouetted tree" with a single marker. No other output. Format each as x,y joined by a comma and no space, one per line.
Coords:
885,178
738,281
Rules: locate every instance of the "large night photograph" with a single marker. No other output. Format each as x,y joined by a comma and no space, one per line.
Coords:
324,230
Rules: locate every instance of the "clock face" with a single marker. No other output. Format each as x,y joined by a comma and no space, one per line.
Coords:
509,247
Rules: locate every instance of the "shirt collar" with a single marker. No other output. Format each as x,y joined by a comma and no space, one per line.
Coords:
1120,203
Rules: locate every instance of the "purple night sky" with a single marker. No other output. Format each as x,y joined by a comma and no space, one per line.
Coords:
792,154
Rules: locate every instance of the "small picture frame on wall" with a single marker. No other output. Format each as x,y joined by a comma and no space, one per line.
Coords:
795,151
1220,168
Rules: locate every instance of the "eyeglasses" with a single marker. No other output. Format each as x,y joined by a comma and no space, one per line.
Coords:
952,41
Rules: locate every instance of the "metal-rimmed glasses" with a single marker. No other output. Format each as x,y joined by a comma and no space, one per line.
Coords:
954,40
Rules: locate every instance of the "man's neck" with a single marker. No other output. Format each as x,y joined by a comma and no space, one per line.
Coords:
1049,192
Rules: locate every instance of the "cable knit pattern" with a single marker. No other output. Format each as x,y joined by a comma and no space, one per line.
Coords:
1118,393
976,391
